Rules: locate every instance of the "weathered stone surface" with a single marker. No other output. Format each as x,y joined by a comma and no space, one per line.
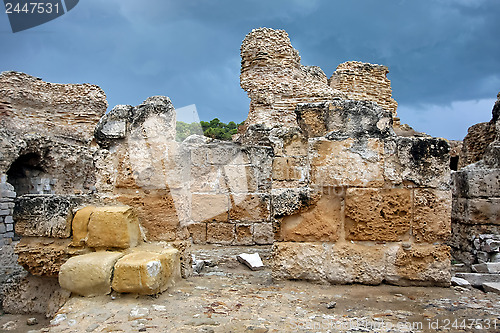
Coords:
220,233
488,267
113,227
355,263
44,256
319,223
423,161
263,233
210,207
35,295
157,212
492,287
289,201
290,168
432,215
147,270
423,263
477,211
66,110
478,279
365,82
253,261
288,142
249,207
80,225
349,162
89,274
45,215
341,119
198,232
113,125
244,234
456,281
476,141
476,182
378,214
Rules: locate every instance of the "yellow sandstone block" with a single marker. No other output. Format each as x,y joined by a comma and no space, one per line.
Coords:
113,227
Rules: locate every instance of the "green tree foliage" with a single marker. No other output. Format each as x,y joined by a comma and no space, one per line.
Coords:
214,129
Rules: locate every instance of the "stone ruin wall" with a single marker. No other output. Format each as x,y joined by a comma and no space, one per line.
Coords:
45,132
326,180
365,82
476,195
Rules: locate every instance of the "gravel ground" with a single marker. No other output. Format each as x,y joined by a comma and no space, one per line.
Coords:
228,297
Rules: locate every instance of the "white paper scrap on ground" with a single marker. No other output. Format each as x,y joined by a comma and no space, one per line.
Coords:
253,261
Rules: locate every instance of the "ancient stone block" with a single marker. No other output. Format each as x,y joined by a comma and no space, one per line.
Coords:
198,232
157,212
220,233
298,261
477,210
340,119
241,178
432,215
423,161
35,294
263,233
423,264
45,215
113,227
43,256
80,225
347,163
146,271
378,214
208,179
249,207
355,263
289,201
289,168
244,234
89,274
321,222
209,207
113,125
288,142
478,182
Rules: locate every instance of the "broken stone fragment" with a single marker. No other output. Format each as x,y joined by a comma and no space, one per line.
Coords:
492,287
456,281
488,267
147,271
253,261
89,274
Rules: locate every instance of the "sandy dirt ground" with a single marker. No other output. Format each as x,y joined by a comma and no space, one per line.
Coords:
228,297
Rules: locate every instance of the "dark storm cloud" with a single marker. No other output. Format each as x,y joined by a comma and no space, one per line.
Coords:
443,55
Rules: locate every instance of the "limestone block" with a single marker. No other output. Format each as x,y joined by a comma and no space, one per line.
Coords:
198,232
249,207
208,179
432,215
209,207
288,142
244,234
220,233
263,233
321,222
45,215
339,119
477,210
222,153
423,161
288,201
378,214
241,178
89,274
355,263
349,162
43,256
159,212
472,182
479,279
146,270
80,225
298,261
35,294
113,227
289,168
423,265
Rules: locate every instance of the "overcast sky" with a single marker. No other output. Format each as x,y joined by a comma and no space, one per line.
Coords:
443,55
